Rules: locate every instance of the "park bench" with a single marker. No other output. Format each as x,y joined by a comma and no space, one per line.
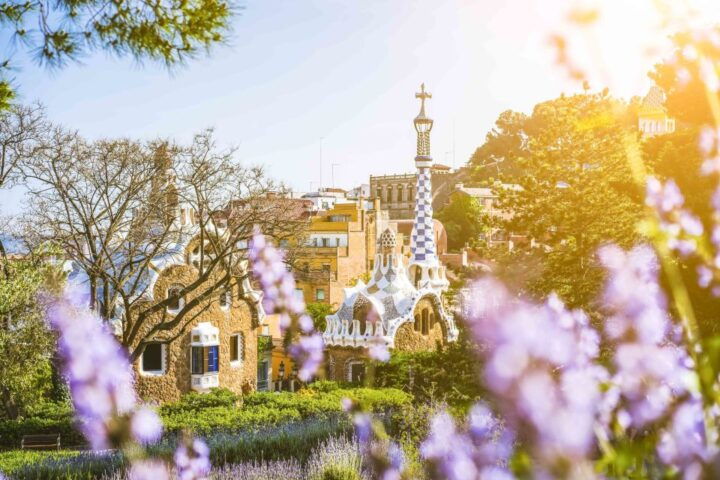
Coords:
41,442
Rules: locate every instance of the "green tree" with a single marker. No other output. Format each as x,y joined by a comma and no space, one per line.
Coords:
464,220
318,311
576,191
65,30
26,343
680,77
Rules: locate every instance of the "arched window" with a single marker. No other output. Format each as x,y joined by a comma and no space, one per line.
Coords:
425,321
225,299
432,320
400,194
417,323
177,302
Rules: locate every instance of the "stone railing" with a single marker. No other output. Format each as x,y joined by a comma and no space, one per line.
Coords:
348,333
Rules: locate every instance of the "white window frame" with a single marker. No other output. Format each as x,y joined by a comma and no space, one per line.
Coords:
238,337
163,363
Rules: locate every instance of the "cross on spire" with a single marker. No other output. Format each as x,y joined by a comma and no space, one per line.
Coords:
422,95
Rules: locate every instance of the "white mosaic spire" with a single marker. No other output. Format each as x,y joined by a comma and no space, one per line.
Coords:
422,242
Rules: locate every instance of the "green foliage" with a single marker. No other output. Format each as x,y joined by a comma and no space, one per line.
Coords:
325,386
25,372
577,192
58,32
339,472
219,411
12,431
682,80
194,402
463,219
447,375
318,311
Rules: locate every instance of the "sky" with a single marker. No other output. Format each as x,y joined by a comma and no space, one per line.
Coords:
323,90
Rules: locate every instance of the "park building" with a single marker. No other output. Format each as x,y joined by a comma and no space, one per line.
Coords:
653,117
209,336
401,304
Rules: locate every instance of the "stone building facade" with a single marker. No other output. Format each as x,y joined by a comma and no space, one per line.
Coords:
214,345
397,192
340,248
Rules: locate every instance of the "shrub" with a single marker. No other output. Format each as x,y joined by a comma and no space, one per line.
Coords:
12,431
448,375
193,402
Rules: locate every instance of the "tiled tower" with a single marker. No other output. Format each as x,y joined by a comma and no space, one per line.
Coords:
425,269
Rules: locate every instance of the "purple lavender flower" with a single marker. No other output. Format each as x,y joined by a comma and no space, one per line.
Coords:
683,445
192,460
96,367
279,297
146,426
650,369
539,363
448,450
278,285
148,470
308,352
681,228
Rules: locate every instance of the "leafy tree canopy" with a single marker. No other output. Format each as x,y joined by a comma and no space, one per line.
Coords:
464,220
25,340
56,32
571,162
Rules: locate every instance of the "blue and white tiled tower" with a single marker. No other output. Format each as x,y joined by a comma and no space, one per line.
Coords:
393,294
425,268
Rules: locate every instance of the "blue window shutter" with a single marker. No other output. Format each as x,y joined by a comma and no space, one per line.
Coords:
213,353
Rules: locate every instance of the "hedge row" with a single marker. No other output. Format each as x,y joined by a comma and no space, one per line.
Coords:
220,410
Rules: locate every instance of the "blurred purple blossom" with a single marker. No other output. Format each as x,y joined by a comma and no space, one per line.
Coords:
148,470
308,352
650,369
280,297
146,426
97,370
480,452
192,460
277,283
680,227
536,352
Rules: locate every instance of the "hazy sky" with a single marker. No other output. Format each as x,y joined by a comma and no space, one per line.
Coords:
346,71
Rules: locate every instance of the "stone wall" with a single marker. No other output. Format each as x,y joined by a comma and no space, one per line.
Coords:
338,360
176,380
411,339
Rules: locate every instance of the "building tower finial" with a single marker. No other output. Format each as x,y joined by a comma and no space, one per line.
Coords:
423,126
